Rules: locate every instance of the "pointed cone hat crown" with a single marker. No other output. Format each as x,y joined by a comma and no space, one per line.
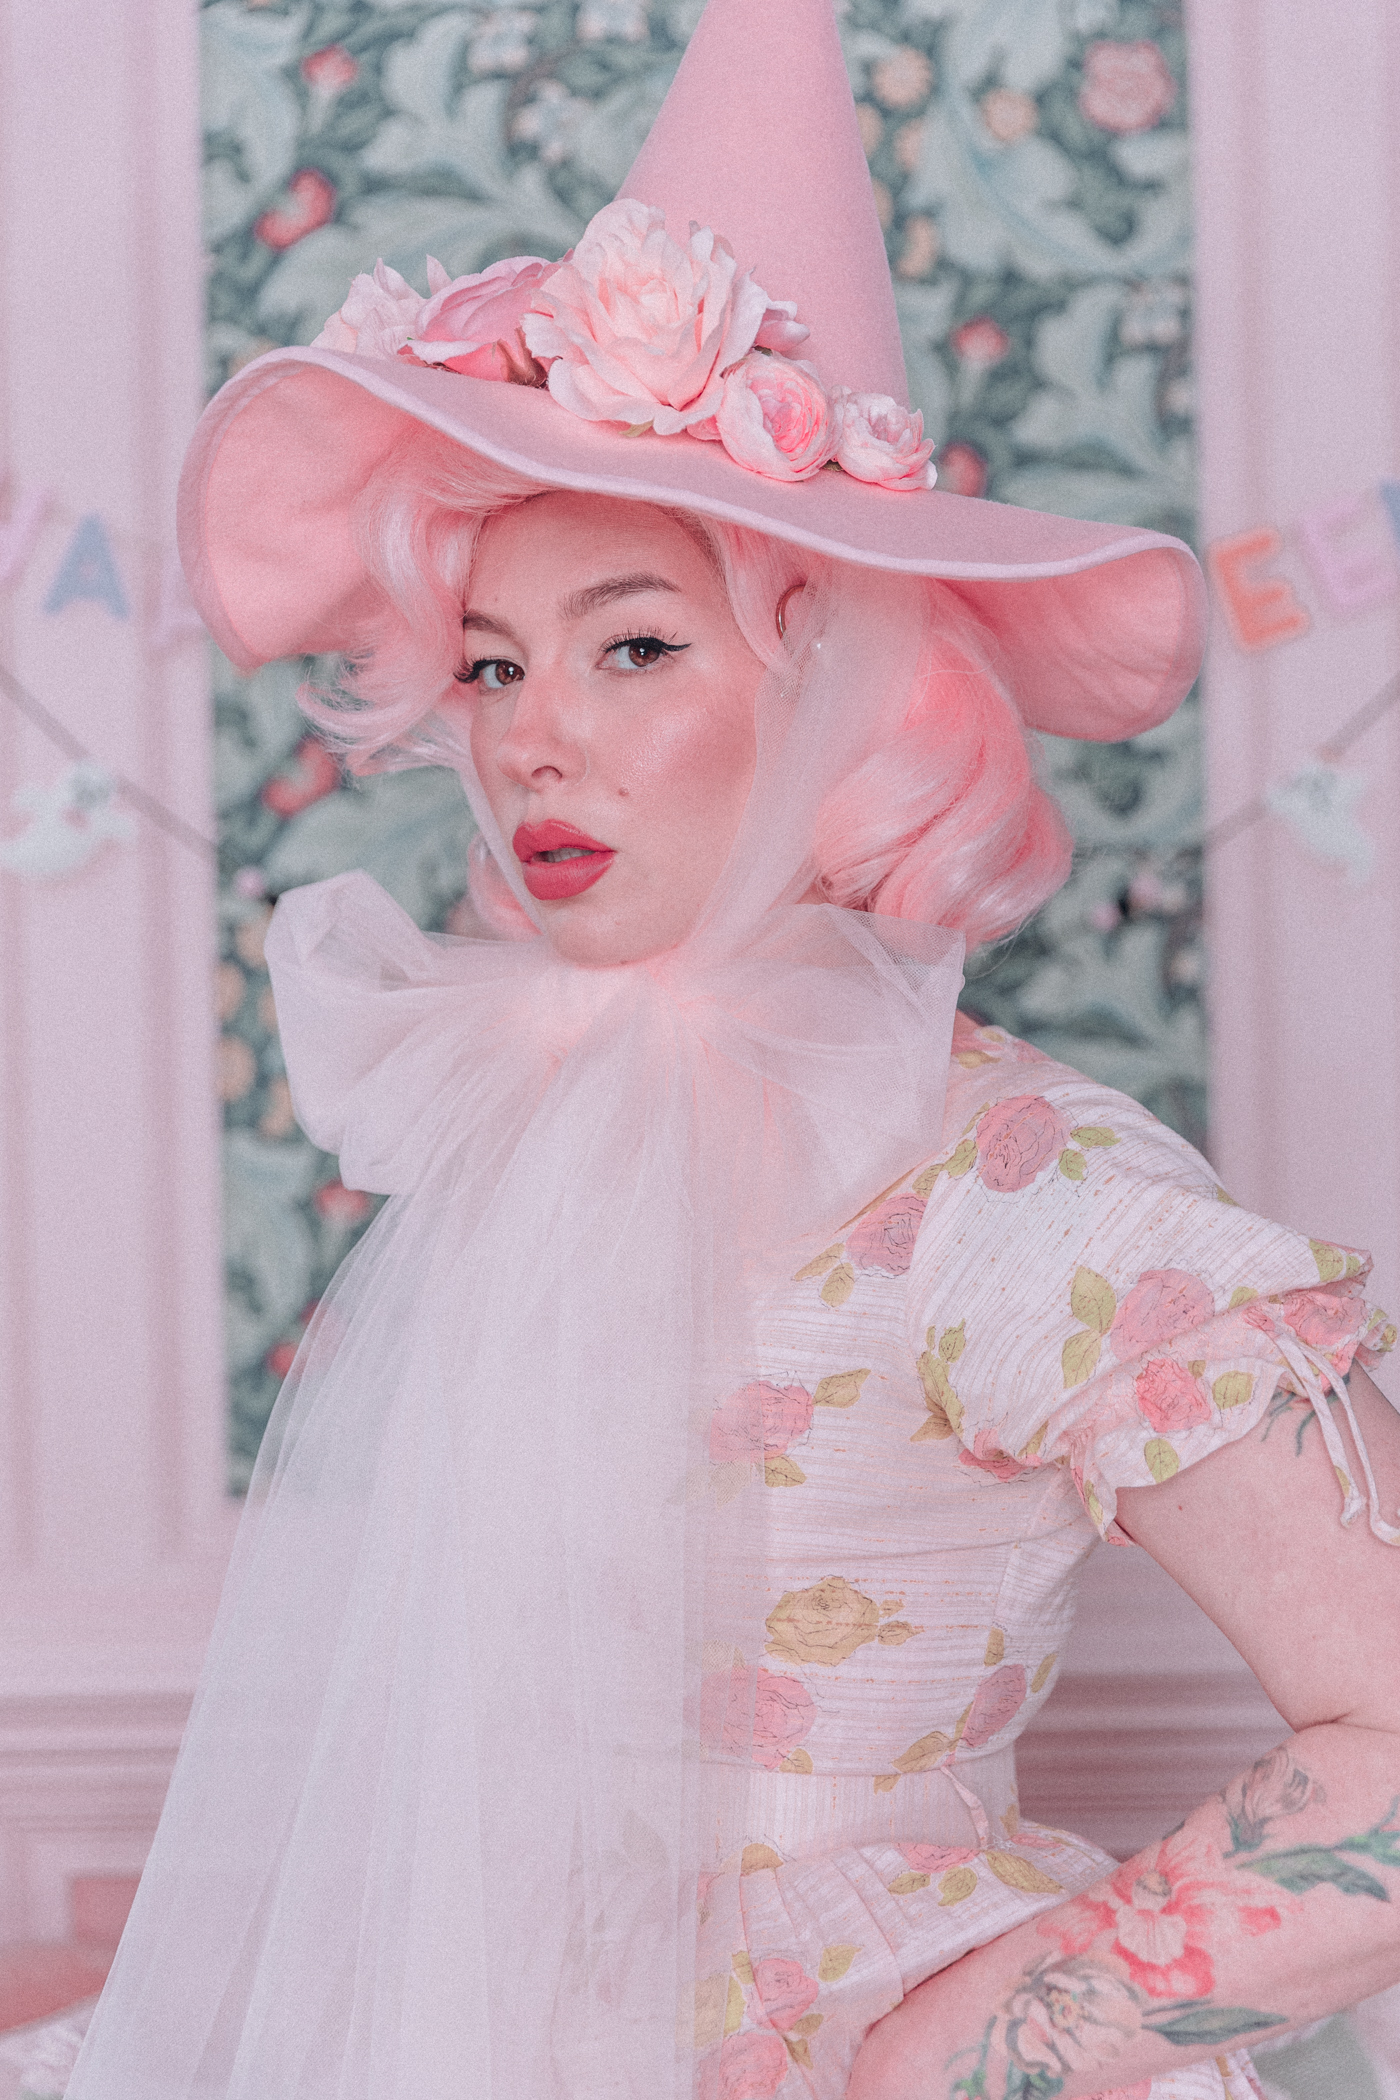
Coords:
758,138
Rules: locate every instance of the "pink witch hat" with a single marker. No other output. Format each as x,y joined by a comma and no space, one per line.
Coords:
737,291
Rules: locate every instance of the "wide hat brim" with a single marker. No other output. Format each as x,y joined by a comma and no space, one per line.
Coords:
1098,628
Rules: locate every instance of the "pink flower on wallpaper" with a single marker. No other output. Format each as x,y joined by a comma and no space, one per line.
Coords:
1325,1320
1162,1303
935,1859
752,2066
341,1206
784,1988
311,772
1015,1139
962,471
981,341
884,1238
330,71
999,1699
1127,87
472,324
988,1457
759,1419
758,1714
1168,1397
310,203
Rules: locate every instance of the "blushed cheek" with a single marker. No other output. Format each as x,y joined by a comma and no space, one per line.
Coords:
691,777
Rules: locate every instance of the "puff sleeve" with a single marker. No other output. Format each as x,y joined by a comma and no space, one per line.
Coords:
1084,1293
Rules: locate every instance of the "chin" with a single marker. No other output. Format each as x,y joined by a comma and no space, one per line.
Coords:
595,941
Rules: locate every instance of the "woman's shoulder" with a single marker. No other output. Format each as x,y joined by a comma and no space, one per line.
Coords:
1013,1114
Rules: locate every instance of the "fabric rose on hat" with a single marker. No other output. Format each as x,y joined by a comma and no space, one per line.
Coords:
635,329
774,418
472,324
380,313
883,443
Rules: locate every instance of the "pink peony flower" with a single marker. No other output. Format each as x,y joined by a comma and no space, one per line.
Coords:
759,1714
962,471
1162,1302
784,1988
988,1457
752,2066
999,1699
759,1418
774,418
882,442
1168,1397
380,313
340,1206
310,773
1325,1320
935,1859
1015,1139
980,342
636,329
1127,87
310,203
884,1238
472,324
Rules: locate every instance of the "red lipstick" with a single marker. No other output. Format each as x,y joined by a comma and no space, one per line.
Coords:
580,861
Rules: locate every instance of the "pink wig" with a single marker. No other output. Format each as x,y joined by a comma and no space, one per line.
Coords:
946,823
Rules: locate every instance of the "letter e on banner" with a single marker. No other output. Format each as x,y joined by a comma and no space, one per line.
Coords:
1356,567
1262,609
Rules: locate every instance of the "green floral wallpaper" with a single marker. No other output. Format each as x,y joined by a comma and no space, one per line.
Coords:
1030,165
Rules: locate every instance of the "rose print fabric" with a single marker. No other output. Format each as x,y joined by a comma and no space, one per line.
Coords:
1058,1302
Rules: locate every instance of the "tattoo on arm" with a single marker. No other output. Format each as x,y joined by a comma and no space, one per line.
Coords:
1275,1786
1311,1866
1295,1406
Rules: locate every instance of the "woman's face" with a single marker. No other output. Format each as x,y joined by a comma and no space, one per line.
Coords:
611,704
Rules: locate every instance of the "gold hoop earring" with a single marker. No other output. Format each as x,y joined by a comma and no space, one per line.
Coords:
781,615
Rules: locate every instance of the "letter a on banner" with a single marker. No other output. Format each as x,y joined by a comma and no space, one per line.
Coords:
89,570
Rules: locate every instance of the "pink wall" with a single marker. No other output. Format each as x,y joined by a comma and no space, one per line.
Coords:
112,1521
1298,353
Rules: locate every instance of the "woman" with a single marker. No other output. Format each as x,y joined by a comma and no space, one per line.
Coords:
672,1518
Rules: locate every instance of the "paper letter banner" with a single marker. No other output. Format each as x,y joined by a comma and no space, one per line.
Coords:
89,570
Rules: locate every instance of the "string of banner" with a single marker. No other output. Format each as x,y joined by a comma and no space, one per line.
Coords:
1350,546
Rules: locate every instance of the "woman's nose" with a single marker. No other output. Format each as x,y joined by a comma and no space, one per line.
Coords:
541,742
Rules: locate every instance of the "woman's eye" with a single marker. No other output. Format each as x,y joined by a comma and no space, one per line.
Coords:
492,673
638,652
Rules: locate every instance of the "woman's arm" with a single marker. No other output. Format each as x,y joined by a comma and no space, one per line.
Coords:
1276,1902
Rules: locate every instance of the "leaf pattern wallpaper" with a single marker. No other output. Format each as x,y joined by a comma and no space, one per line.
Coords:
1030,165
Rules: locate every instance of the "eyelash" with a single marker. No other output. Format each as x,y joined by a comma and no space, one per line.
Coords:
470,673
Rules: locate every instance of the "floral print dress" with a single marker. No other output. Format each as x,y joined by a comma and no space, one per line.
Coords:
1059,1302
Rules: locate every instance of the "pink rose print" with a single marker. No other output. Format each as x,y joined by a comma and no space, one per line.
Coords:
1162,1302
1325,1320
472,324
988,1457
980,342
311,772
341,1206
1000,1698
1127,87
884,1238
310,203
636,329
1168,1397
774,418
883,443
755,1714
962,471
752,2066
1015,1139
935,1859
759,1418
784,1988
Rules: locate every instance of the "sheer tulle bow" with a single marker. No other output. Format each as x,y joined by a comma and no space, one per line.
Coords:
433,1830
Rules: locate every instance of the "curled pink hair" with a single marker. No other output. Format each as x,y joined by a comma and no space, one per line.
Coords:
946,823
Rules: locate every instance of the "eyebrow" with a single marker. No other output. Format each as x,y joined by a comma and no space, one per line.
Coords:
580,603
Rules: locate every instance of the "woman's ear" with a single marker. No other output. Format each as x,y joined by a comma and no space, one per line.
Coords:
794,590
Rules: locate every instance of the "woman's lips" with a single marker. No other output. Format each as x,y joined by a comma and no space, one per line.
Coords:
581,860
